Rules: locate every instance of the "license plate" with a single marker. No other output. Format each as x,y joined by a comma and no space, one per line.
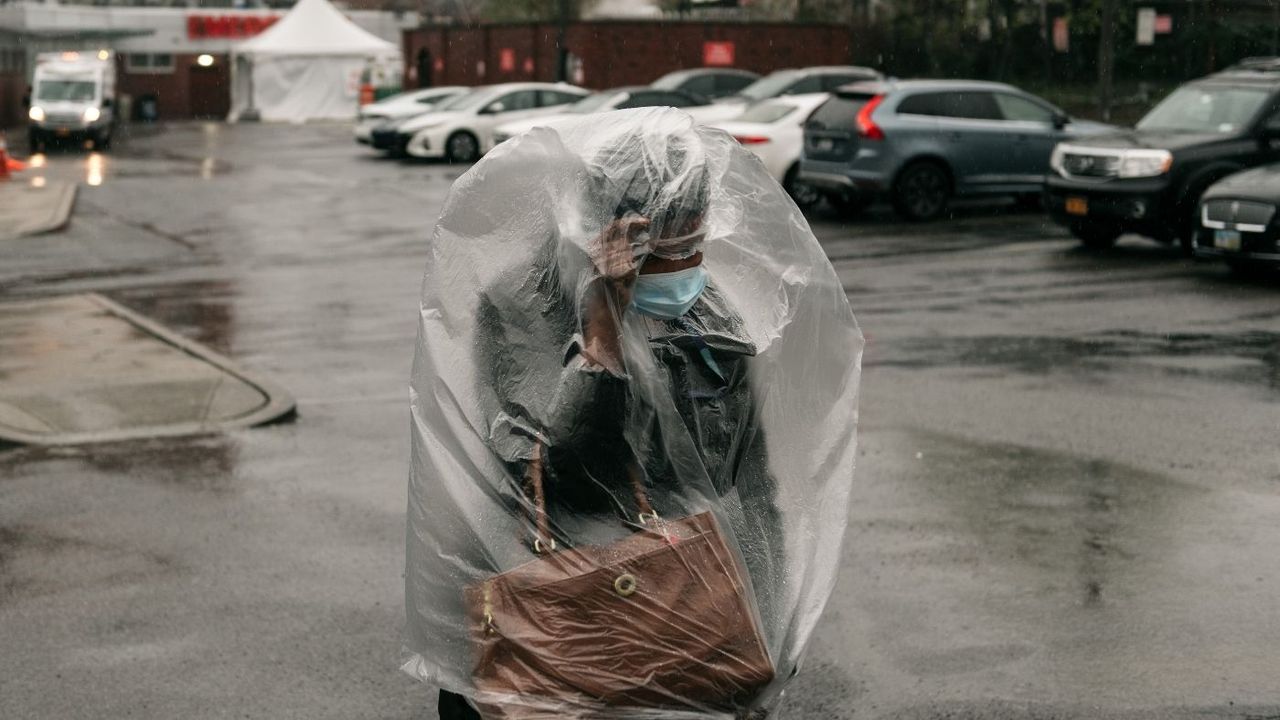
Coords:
62,132
1226,239
1077,206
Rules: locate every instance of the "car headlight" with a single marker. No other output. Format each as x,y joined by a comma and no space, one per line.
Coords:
36,113
91,114
1144,163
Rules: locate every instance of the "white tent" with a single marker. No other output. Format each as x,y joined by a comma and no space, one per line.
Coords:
305,67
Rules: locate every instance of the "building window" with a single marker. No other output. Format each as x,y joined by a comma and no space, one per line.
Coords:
156,63
12,61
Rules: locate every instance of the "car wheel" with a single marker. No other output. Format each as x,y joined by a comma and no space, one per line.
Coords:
462,147
1246,270
847,203
804,194
102,142
922,191
35,142
1095,237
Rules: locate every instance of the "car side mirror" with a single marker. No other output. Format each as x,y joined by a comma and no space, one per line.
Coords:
106,103
495,108
1060,121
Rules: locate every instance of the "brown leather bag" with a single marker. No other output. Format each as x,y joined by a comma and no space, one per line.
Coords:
659,619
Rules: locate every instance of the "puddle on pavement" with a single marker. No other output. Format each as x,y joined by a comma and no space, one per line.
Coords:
202,311
205,464
27,553
985,560
1247,358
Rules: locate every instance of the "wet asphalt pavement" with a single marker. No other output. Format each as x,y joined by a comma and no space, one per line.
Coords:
1068,501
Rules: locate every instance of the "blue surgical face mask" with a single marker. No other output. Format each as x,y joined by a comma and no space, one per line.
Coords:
667,296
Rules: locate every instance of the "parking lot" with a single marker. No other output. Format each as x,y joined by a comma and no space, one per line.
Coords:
1066,504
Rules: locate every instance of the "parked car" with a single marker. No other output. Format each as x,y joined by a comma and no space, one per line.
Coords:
710,83
801,81
1149,180
634,96
774,131
461,130
1238,219
921,142
399,107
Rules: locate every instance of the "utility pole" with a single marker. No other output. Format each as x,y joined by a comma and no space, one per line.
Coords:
1106,57
562,32
853,30
1046,41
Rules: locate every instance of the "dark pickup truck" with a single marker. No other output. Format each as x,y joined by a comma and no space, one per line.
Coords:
1149,180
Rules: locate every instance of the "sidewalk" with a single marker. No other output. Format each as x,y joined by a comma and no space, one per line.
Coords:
82,368
26,209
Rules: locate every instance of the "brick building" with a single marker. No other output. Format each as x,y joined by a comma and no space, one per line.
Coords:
609,53
177,58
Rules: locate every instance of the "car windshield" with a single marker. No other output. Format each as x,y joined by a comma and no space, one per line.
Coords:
69,90
766,112
771,85
1205,109
592,103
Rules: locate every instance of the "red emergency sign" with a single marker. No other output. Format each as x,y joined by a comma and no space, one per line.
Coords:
717,53
202,27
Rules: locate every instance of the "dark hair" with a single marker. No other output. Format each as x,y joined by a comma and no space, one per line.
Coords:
670,191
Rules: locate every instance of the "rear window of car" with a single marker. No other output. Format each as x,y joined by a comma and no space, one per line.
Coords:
811,84
702,84
838,112
728,84
967,104
766,112
549,98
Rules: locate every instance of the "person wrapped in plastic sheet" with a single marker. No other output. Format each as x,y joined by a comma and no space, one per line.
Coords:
634,410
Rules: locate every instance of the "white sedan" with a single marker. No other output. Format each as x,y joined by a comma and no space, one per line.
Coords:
774,131
623,98
461,130
401,106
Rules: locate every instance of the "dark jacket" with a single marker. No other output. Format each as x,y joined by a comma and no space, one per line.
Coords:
595,424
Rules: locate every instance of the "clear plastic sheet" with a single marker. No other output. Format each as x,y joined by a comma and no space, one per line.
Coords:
613,513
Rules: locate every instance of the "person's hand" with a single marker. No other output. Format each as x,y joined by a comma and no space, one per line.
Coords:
613,250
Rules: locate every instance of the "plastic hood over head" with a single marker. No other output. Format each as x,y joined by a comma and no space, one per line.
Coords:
614,514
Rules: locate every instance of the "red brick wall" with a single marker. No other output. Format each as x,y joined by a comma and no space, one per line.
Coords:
624,53
12,87
172,90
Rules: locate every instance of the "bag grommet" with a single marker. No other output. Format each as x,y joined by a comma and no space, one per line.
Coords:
625,585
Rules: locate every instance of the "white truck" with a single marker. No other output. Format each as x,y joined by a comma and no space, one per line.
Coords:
73,97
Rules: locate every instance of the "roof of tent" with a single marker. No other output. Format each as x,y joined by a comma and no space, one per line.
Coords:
314,27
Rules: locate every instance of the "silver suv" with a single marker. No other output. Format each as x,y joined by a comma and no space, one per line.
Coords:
921,142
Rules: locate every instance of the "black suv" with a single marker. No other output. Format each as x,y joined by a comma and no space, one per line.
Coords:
1149,180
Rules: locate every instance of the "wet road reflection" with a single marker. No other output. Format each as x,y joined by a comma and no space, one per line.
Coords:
1067,502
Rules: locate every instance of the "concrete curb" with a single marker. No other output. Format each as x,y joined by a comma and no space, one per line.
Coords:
278,403
29,210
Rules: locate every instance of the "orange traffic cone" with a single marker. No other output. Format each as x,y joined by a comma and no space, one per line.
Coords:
4,158
8,164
